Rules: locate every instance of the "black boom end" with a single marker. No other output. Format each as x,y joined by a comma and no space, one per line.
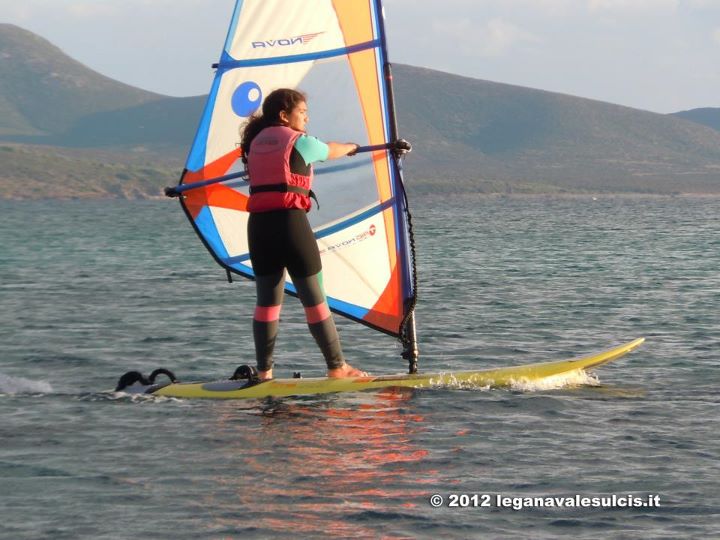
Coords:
130,378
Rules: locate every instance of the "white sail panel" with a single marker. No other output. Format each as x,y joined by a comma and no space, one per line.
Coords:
305,27
355,263
228,222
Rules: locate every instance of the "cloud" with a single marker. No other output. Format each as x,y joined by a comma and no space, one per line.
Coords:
501,36
89,10
633,6
551,7
716,35
516,7
494,38
69,10
703,4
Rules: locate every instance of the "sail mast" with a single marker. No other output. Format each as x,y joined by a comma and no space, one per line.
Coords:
408,332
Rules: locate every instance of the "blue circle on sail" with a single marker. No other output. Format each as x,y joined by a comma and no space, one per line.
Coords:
246,99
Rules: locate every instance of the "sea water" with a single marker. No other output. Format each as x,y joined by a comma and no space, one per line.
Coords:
91,289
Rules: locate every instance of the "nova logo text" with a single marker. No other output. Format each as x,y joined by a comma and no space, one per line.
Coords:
285,42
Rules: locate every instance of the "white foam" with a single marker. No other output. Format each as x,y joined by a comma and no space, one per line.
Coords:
571,379
134,398
19,385
450,381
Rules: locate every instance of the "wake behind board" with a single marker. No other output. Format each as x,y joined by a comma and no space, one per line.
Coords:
493,378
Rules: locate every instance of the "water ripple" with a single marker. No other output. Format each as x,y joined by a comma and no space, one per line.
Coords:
502,282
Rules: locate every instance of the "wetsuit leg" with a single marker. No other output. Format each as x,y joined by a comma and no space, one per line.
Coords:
284,239
269,290
302,257
319,319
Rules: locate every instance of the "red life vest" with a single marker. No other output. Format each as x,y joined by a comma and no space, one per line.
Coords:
273,186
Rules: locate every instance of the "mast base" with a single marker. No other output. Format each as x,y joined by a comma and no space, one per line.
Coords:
411,354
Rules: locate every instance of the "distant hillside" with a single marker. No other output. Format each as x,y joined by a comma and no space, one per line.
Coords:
469,132
43,172
43,91
469,135
707,116
164,124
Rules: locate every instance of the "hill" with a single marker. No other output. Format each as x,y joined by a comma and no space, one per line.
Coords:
43,91
707,116
43,172
162,125
469,135
480,133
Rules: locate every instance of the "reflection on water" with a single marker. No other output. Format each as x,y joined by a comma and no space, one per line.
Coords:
326,463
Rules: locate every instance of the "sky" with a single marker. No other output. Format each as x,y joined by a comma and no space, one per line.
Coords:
657,55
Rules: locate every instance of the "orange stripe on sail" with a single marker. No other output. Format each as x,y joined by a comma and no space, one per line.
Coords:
387,312
215,194
355,19
215,169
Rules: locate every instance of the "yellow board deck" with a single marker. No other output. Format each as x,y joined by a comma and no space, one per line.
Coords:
493,378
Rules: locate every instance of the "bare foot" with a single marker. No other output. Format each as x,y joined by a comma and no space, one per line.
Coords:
265,375
346,370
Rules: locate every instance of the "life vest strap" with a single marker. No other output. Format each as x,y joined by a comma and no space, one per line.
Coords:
284,188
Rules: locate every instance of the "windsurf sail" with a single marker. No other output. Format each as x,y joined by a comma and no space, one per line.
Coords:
335,52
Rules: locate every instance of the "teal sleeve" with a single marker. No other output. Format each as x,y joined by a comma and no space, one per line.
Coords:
312,149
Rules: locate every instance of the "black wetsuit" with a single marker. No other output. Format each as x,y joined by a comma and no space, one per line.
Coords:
282,240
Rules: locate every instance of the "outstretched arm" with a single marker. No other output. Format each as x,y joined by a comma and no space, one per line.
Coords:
338,150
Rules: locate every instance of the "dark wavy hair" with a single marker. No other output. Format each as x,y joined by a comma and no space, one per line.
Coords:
282,99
